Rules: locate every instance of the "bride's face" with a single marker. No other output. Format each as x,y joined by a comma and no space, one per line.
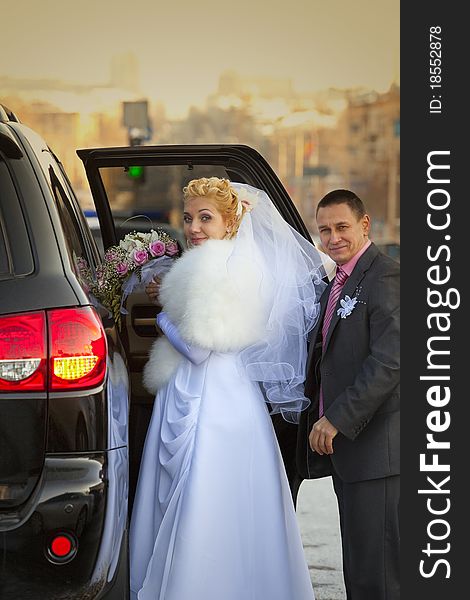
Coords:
202,221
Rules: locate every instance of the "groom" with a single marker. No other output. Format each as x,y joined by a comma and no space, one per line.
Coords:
351,430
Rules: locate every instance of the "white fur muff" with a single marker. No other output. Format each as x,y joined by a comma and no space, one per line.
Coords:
215,304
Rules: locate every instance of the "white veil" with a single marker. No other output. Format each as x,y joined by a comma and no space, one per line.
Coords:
292,276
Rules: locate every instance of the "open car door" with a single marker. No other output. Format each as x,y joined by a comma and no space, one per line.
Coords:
140,188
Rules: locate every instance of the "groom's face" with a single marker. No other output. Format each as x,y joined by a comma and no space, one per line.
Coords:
342,233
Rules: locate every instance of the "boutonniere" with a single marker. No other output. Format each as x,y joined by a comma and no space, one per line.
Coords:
348,304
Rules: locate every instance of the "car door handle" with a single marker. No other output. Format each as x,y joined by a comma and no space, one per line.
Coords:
144,321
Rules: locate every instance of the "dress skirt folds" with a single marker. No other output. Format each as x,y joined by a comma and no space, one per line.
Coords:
213,517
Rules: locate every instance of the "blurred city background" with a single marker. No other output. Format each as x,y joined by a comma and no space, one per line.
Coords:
314,89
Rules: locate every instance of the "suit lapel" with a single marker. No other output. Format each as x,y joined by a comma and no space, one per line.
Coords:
350,287
317,329
324,302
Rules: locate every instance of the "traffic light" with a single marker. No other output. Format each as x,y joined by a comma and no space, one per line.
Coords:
136,173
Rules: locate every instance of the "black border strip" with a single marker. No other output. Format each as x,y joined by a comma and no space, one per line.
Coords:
434,252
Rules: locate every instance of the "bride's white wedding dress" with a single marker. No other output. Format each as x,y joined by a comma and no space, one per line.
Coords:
213,517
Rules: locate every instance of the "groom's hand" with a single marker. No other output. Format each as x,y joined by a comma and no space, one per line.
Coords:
321,436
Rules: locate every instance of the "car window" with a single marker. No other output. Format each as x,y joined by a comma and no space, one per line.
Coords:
86,233
74,241
16,256
71,217
142,198
77,247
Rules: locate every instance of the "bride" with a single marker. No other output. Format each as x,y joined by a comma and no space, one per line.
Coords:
213,517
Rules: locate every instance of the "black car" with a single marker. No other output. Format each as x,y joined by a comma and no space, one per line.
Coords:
64,392
70,439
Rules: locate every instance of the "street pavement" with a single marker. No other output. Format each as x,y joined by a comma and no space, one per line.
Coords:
317,513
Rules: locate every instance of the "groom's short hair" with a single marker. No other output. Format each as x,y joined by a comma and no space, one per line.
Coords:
343,197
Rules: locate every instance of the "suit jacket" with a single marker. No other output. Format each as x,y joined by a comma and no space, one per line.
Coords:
359,372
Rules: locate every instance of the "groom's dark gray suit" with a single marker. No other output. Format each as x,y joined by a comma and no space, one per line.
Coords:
358,369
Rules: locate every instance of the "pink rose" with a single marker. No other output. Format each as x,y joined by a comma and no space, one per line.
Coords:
157,248
140,257
122,268
172,248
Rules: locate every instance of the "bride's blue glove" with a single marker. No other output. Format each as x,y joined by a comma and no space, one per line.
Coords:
195,354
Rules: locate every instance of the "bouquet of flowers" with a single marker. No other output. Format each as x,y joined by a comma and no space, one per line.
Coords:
130,265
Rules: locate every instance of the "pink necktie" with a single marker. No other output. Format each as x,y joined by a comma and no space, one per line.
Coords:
335,292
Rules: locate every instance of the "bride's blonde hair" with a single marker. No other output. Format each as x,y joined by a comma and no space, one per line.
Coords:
222,194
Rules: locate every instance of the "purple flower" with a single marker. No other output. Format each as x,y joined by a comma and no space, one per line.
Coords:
157,248
140,257
122,268
172,248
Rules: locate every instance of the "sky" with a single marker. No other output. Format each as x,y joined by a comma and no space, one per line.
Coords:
183,45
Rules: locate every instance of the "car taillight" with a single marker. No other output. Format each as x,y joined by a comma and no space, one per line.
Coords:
61,349
23,352
78,349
